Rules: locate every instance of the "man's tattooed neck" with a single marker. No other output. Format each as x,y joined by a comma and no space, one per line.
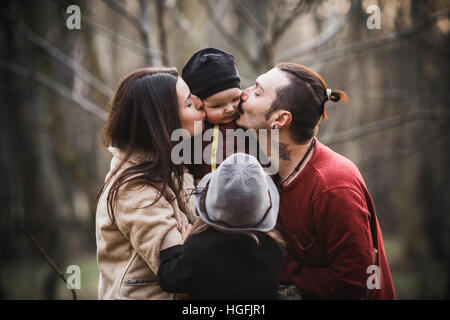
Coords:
285,154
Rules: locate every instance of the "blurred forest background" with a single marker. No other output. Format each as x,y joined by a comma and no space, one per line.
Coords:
56,84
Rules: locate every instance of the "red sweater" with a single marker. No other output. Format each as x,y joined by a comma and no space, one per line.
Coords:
326,215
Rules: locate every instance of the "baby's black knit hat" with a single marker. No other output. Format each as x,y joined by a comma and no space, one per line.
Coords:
209,71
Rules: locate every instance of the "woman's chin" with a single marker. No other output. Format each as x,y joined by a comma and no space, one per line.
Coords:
193,132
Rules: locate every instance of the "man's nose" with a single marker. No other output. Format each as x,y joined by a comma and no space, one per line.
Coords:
244,95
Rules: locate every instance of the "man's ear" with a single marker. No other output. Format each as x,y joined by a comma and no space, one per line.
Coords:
282,119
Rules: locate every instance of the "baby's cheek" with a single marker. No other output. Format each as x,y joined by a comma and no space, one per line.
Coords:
213,116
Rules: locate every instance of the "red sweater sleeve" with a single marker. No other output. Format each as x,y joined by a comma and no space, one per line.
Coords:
343,225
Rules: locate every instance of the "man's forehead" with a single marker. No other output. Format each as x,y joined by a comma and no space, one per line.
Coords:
272,79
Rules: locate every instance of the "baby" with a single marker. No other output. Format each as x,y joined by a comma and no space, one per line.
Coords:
212,76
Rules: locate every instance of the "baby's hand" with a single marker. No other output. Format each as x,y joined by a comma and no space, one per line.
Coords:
184,230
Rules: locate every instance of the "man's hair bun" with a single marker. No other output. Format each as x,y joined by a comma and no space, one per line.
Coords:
338,95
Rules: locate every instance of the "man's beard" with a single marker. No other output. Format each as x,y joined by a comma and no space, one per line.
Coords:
255,126
239,108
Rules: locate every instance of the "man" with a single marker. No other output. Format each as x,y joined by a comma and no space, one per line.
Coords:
335,246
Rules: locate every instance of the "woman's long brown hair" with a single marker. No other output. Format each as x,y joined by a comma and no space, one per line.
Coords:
144,113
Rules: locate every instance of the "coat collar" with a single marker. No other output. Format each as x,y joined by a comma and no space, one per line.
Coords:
136,158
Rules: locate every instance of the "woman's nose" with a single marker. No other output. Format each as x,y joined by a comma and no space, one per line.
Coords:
198,103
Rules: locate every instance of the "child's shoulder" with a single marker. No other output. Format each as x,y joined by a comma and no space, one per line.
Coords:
209,233
212,237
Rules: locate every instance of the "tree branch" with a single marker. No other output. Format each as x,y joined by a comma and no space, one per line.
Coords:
229,37
120,40
62,58
372,43
399,153
251,20
67,61
184,24
140,23
47,258
334,25
384,124
120,9
56,86
280,25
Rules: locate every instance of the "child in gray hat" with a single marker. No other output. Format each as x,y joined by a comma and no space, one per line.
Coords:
232,250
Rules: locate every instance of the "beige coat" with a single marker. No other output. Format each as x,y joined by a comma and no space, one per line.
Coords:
128,251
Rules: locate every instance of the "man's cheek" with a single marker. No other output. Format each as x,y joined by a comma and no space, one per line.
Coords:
247,105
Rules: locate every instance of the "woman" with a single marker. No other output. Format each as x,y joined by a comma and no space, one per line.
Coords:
143,201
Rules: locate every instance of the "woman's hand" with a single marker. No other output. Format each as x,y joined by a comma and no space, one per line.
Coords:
184,230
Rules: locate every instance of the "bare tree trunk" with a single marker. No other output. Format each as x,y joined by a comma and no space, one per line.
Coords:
144,32
160,12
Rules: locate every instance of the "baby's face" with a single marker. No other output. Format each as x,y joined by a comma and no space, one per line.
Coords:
221,107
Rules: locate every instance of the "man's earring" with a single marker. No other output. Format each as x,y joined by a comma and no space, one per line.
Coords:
274,126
